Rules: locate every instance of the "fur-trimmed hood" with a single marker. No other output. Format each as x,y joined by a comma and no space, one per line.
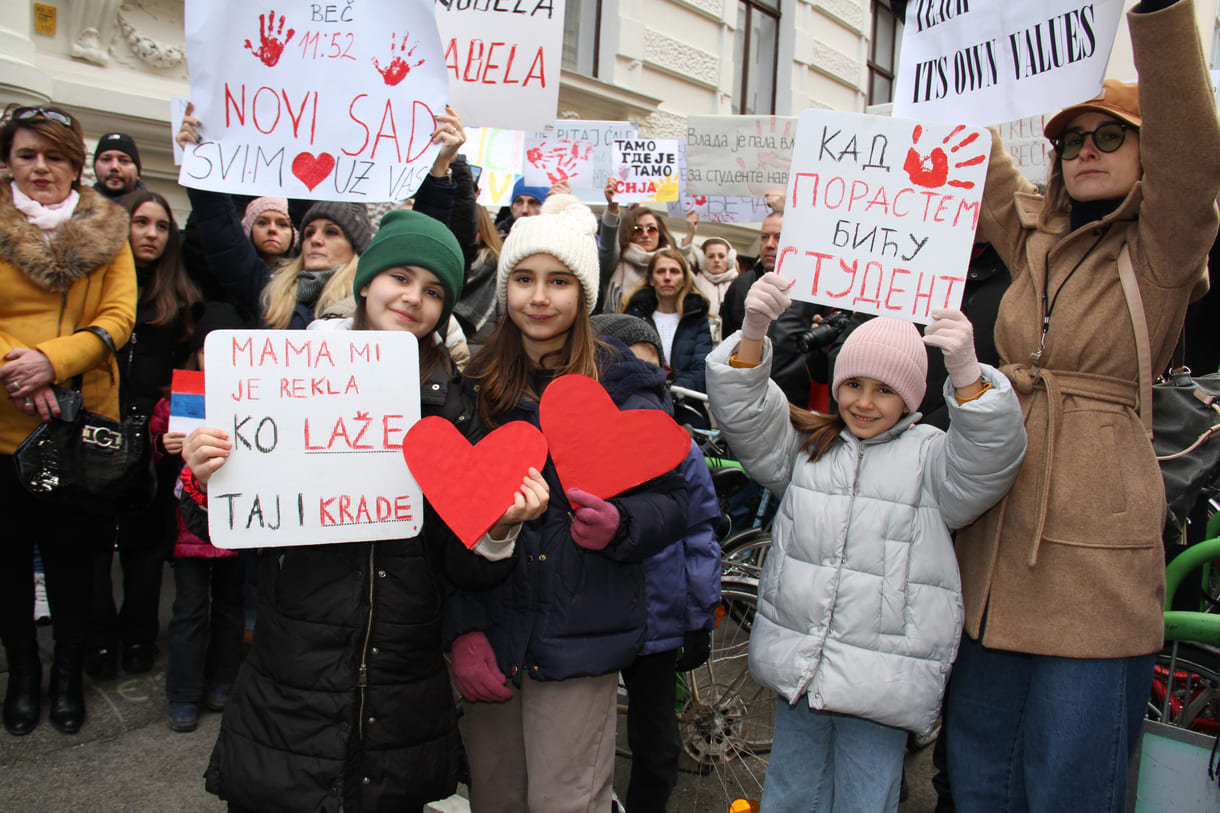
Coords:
87,240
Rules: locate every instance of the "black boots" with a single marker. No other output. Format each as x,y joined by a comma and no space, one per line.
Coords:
66,690
23,701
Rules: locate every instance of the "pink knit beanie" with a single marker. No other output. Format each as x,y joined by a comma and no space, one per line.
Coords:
890,351
259,205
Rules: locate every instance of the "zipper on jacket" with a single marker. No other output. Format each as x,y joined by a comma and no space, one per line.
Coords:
362,680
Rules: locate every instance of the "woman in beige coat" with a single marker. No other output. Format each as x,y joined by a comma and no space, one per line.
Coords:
1064,580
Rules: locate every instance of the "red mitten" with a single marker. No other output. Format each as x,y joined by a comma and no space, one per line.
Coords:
475,670
595,521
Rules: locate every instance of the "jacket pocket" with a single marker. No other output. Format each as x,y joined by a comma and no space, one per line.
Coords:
1106,489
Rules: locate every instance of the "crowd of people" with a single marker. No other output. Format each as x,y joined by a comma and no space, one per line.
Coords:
970,534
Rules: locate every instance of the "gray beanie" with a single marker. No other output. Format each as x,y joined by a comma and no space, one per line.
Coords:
353,218
629,330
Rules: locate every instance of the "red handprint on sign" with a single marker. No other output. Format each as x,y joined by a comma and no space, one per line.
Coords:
398,68
270,48
561,161
932,170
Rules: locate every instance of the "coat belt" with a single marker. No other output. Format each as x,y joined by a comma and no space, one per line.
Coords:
1057,384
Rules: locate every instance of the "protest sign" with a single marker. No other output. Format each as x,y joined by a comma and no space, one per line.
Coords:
503,60
547,155
177,112
316,419
740,156
1030,150
983,63
721,209
881,213
647,170
328,102
501,155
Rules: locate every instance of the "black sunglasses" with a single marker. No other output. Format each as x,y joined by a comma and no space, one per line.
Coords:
25,113
1107,138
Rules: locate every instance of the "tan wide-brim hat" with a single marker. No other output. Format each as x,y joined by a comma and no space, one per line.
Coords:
1118,99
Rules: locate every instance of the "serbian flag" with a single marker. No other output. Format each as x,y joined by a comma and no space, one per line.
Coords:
186,401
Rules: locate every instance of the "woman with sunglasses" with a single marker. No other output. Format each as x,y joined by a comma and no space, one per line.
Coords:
1063,580
65,268
626,244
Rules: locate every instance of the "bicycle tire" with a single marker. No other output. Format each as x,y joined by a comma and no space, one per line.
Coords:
1191,700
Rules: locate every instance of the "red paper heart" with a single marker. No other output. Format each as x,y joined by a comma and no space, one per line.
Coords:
312,171
471,486
601,449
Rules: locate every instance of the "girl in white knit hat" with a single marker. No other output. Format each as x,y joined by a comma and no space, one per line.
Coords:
537,657
859,602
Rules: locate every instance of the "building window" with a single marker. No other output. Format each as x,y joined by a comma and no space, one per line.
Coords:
883,50
581,33
755,49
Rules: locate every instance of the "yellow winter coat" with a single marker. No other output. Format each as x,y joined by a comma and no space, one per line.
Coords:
84,276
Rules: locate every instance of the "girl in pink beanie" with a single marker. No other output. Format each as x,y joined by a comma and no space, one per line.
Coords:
267,224
859,602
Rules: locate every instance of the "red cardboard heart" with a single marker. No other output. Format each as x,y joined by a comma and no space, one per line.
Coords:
601,449
471,486
312,171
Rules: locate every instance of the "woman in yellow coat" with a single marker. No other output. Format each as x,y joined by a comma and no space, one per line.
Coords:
65,265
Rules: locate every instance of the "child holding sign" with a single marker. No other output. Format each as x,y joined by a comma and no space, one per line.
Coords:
860,605
344,700
538,656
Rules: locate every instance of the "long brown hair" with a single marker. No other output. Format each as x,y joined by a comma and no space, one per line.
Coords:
628,222
489,237
1055,201
823,430
505,372
688,279
170,290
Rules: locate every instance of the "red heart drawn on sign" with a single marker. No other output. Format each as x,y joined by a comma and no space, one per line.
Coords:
471,486
312,171
601,449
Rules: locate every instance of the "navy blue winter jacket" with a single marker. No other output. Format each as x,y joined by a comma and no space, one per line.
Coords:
692,341
566,611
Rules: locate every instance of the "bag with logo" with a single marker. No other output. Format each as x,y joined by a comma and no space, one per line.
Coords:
83,461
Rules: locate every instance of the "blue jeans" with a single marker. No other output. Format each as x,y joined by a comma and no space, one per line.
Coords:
1043,733
822,761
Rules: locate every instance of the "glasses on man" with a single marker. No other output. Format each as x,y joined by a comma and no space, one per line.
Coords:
1107,138
649,229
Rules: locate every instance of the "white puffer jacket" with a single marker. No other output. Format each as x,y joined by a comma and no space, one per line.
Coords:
860,604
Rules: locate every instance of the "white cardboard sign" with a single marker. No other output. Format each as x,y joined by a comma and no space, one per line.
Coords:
320,101
881,213
501,156
740,156
984,62
647,170
503,59
316,419
580,152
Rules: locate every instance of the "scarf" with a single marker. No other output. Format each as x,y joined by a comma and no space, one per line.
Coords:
46,217
310,285
727,275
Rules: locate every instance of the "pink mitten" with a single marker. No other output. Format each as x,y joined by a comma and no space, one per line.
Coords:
595,521
766,301
475,670
952,332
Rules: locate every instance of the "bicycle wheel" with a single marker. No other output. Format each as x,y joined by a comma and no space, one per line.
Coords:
742,555
728,721
1189,695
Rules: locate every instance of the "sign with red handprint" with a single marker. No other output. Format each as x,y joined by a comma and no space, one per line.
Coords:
880,213
721,208
990,62
329,101
503,60
744,156
577,151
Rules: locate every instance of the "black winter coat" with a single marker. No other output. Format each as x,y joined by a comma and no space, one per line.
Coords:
566,611
345,698
692,341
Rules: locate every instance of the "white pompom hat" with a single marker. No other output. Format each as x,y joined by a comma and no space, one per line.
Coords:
564,229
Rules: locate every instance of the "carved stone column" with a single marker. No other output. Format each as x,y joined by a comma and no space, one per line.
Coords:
20,79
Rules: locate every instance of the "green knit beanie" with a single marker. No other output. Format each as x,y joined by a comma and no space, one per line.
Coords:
406,237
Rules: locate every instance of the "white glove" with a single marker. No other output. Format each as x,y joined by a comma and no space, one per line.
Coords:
767,300
952,332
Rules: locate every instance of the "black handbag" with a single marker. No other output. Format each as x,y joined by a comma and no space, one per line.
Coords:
87,462
1181,411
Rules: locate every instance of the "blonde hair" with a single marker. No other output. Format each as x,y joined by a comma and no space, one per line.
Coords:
688,278
279,297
